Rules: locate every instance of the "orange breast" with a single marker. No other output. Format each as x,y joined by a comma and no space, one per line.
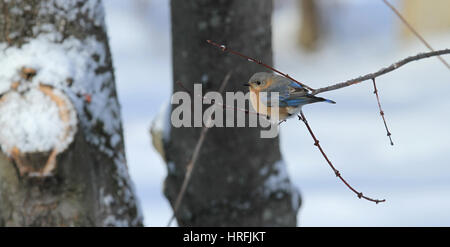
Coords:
262,109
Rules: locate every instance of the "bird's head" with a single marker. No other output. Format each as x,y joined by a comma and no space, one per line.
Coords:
259,81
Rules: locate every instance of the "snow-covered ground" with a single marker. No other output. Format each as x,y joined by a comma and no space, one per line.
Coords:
413,175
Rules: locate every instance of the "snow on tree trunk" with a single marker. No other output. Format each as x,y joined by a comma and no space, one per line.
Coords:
62,160
240,179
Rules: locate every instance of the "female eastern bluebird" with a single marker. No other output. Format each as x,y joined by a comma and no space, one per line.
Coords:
292,96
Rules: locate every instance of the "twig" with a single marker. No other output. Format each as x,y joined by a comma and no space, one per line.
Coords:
381,71
250,59
347,83
375,91
191,164
336,172
411,28
183,87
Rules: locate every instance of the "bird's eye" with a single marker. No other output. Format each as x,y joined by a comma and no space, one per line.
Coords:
258,83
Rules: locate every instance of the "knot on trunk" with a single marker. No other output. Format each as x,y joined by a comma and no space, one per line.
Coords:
38,122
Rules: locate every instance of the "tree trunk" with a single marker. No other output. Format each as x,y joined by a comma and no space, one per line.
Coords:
240,179
309,29
62,161
425,16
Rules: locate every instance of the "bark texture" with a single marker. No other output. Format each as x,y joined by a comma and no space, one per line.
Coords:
64,44
239,179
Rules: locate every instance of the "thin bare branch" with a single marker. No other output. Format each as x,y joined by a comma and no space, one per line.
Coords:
347,83
375,91
381,71
184,88
191,164
336,172
413,30
250,59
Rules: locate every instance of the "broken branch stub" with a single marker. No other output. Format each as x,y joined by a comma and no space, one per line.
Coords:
38,123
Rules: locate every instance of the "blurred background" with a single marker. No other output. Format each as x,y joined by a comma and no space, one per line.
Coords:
317,42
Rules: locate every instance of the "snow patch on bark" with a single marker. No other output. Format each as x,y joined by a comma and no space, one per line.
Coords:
160,129
279,182
118,216
161,123
91,8
112,220
32,122
74,67
77,67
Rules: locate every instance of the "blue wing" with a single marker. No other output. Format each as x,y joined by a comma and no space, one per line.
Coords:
290,93
293,102
285,98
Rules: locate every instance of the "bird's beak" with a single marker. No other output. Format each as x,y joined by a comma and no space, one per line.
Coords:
246,85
